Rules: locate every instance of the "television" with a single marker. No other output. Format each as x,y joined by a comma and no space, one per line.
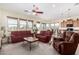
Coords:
70,29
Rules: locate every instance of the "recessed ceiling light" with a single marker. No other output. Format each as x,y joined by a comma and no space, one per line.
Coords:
53,5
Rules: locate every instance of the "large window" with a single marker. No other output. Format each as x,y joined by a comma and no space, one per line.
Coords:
12,23
22,24
30,24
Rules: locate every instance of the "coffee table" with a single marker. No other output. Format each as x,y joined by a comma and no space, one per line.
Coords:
30,40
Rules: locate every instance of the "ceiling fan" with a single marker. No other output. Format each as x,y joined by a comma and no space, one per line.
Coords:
35,10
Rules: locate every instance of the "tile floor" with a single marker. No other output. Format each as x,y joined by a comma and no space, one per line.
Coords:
22,48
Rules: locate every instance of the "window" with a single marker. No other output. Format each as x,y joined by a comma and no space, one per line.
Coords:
47,26
52,26
12,23
38,25
43,25
30,24
22,24
56,25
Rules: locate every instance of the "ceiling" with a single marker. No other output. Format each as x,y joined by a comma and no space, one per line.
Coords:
51,10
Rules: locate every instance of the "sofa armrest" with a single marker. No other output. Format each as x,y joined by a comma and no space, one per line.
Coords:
38,35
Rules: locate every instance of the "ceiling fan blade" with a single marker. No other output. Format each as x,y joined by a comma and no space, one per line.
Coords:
40,12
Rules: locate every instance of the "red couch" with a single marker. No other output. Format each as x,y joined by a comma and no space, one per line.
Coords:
44,36
18,36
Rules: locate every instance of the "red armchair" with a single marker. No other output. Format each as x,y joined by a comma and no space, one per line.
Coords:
67,45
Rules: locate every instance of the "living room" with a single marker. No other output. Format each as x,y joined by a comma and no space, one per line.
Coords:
39,29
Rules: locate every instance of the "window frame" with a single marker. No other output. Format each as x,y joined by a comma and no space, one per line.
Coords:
22,24
28,25
13,18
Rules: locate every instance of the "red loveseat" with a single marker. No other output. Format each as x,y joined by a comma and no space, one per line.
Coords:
44,36
18,36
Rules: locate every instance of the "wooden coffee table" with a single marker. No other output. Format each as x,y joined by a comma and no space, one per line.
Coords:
30,40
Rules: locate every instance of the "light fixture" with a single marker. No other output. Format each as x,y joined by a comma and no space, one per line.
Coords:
34,13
